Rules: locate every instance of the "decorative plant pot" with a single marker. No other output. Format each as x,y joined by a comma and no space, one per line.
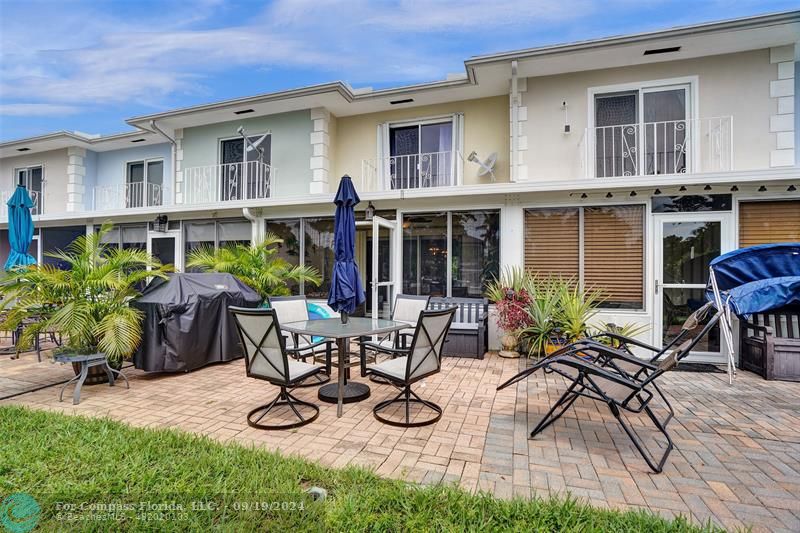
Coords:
509,343
554,345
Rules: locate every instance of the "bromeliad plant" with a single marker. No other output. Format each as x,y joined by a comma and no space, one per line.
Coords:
88,303
539,311
256,265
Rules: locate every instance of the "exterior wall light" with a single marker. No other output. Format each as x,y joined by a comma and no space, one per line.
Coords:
160,224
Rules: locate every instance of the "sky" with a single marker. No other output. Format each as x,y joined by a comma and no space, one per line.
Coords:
87,66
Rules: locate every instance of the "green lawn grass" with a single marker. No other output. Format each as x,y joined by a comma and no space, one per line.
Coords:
74,460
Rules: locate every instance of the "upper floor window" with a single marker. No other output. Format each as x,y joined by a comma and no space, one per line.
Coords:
144,183
245,167
421,155
417,154
643,131
33,179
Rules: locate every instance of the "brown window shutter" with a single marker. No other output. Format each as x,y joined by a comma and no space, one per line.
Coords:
613,252
552,242
769,222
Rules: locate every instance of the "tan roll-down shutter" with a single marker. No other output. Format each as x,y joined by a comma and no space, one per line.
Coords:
613,253
552,242
769,222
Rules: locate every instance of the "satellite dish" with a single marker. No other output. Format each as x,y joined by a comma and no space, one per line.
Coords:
253,145
487,165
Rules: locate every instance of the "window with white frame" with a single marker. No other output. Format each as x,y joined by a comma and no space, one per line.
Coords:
144,183
421,153
450,253
245,167
33,179
643,130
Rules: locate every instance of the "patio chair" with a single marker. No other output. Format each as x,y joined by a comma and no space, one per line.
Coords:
617,357
266,358
406,309
618,379
295,309
421,359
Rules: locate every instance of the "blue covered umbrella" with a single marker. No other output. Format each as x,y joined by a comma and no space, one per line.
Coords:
20,228
346,291
752,280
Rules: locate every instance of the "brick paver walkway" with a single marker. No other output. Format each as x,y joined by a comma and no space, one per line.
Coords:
736,462
28,373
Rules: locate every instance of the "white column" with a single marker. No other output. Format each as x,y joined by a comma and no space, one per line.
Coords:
178,185
76,171
512,228
320,145
782,124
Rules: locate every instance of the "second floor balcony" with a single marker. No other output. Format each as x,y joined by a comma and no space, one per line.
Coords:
413,171
36,197
129,196
228,182
655,148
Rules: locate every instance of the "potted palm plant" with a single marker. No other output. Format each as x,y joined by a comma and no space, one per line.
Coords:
88,303
257,265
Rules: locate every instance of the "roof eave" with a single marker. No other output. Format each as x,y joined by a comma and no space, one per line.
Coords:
759,21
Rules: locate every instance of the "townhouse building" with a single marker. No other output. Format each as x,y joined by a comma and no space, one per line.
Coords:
626,163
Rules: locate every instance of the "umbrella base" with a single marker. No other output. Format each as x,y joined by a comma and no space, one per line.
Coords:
353,392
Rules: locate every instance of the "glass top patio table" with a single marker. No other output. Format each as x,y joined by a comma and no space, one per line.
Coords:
344,391
332,328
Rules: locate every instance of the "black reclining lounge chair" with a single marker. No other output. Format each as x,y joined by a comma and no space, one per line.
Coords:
618,379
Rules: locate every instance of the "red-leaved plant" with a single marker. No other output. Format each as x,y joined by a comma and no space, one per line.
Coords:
512,310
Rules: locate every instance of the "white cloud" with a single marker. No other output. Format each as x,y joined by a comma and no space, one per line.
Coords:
88,57
37,110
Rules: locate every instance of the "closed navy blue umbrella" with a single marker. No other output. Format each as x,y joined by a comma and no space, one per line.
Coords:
346,291
20,228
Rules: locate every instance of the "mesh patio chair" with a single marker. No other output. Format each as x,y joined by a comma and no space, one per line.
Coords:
295,309
406,309
421,359
266,358
618,379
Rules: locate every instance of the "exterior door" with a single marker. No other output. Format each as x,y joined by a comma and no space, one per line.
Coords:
382,279
642,132
375,241
166,247
685,245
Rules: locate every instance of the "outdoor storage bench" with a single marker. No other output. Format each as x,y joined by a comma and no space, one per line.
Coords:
770,344
467,337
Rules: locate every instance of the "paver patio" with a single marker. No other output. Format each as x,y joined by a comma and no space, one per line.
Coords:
736,462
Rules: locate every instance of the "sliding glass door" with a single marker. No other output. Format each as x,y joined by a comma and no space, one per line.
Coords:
642,132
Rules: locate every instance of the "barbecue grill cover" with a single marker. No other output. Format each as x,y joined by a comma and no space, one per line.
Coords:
187,324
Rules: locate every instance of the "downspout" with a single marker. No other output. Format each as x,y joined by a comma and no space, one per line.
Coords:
173,154
254,218
514,121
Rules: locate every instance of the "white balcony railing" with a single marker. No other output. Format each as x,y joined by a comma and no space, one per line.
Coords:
415,171
228,182
129,195
36,196
653,148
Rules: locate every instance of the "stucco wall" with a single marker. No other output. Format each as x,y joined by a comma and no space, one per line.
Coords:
110,167
486,130
291,147
55,176
729,85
